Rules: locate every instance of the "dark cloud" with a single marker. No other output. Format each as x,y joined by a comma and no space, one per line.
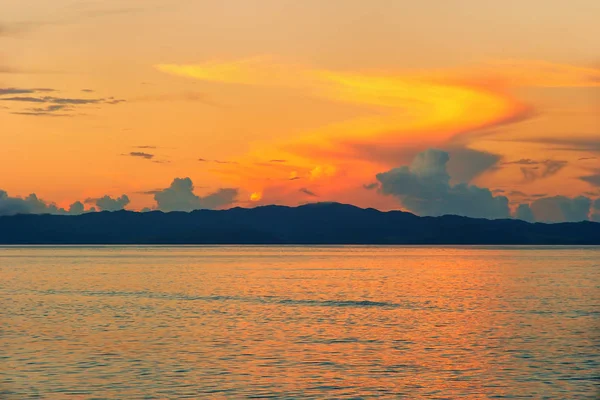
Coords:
522,161
5,91
56,106
107,203
545,169
27,205
52,110
76,208
587,158
180,197
496,191
140,154
466,164
293,178
34,205
371,186
592,179
144,147
152,192
595,211
561,209
424,188
524,213
308,192
61,100
41,114
202,160
87,90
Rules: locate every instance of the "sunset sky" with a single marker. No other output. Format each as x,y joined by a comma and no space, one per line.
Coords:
288,102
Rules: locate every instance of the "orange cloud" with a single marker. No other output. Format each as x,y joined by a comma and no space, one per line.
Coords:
402,109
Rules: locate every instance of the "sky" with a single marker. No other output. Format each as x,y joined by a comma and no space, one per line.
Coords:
477,108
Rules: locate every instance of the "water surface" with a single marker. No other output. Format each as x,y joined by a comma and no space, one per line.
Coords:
299,322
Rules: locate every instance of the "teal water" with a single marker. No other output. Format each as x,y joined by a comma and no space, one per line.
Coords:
299,322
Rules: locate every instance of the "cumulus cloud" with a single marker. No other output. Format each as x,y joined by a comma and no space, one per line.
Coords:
561,209
467,164
107,203
180,197
524,213
76,208
596,211
32,204
424,188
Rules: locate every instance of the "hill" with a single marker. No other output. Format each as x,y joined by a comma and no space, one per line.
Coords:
318,223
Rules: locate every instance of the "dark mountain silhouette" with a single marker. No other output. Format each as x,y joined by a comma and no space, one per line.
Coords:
318,223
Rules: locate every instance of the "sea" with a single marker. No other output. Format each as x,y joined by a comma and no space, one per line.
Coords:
339,322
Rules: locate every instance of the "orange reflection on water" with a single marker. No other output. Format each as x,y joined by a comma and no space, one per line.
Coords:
298,322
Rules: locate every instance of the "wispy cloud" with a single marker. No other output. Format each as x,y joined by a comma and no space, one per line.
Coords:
308,192
140,154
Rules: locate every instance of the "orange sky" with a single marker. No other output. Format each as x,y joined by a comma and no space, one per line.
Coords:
294,101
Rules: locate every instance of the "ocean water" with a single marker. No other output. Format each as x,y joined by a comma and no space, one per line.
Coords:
299,322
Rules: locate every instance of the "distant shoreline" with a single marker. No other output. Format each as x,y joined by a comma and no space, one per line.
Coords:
320,224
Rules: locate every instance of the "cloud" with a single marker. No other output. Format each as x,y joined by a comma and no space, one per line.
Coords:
307,192
144,147
595,211
52,110
567,142
76,208
466,164
592,179
12,90
371,186
424,188
140,154
56,106
32,204
522,161
524,213
180,197
545,169
217,161
224,162
55,100
107,203
28,205
561,209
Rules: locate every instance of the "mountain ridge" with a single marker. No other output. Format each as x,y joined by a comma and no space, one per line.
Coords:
313,223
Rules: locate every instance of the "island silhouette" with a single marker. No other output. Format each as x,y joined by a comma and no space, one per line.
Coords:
315,223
